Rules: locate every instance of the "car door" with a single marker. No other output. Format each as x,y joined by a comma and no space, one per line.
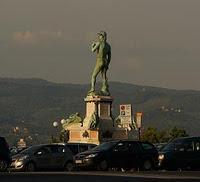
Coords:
135,154
74,148
185,154
120,155
43,158
196,154
58,156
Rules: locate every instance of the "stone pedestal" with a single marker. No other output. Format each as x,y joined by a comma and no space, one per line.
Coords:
101,106
98,125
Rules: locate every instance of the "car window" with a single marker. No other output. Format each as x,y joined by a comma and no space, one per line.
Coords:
61,149
134,147
43,150
73,148
189,146
83,148
91,146
173,145
147,146
122,147
57,149
104,146
54,149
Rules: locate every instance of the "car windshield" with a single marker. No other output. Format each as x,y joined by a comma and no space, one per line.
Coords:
105,146
172,145
30,150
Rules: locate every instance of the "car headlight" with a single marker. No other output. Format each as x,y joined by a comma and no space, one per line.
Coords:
161,157
91,155
23,158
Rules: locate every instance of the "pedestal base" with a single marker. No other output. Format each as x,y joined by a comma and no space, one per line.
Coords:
96,136
84,136
98,125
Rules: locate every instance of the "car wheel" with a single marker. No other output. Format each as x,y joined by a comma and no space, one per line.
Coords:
147,165
69,166
30,167
103,166
3,166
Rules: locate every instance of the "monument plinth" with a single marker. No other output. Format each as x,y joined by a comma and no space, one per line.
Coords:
100,108
98,124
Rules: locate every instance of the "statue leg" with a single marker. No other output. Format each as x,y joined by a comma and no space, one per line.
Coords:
104,88
94,75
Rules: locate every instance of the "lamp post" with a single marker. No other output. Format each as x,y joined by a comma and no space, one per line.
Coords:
55,125
58,125
63,121
139,123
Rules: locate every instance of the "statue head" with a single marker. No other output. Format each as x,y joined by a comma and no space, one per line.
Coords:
102,36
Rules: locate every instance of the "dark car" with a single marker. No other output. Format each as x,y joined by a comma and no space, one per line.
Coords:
4,154
119,154
46,157
181,153
80,147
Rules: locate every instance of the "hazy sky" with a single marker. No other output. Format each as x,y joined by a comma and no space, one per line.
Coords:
154,42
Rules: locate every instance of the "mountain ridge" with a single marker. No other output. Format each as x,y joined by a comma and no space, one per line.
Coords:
36,103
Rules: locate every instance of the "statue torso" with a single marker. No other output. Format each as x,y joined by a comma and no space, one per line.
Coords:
103,50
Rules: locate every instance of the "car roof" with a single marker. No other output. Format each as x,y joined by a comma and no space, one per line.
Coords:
71,143
126,140
187,138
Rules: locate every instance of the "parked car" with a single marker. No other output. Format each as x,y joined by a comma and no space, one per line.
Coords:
80,147
119,154
180,153
46,156
4,154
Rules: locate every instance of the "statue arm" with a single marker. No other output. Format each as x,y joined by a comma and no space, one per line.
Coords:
95,45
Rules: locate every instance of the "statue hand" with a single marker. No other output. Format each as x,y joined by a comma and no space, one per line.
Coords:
95,45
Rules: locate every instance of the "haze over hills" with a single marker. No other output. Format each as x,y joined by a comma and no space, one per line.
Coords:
34,104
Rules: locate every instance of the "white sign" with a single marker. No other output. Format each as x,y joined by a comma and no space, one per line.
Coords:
126,114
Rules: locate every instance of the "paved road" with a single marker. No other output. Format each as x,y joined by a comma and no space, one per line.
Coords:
101,177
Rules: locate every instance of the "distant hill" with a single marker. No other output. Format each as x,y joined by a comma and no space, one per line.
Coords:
34,104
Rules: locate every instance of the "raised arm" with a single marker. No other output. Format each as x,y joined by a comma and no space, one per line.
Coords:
95,45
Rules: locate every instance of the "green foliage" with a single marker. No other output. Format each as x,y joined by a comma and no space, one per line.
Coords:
151,134
154,136
176,132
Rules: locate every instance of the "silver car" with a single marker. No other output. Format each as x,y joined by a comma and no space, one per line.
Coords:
43,157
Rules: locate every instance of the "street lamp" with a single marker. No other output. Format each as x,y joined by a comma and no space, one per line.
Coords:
63,121
59,133
55,124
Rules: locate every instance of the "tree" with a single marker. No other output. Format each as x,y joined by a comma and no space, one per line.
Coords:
176,132
151,135
154,136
